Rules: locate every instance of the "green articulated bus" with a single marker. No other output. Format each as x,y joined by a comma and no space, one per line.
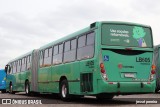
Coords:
102,60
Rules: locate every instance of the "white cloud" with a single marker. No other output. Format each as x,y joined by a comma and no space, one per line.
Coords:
29,24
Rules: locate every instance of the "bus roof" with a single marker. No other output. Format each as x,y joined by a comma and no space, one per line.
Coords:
21,56
127,23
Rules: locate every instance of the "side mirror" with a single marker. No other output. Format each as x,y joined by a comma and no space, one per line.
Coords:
6,68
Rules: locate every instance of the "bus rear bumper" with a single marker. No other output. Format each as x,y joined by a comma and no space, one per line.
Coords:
126,87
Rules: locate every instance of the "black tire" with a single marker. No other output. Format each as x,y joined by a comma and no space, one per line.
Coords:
64,90
27,88
3,91
11,89
157,89
157,86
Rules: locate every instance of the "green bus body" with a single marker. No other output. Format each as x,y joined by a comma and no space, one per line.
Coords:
107,57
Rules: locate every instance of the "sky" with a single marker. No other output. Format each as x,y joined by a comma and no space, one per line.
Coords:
30,24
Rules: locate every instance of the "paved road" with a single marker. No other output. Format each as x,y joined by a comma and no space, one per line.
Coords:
53,100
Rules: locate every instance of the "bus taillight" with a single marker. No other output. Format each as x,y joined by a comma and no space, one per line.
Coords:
153,67
101,65
102,68
153,72
103,71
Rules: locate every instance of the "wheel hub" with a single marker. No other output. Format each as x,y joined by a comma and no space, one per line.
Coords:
64,91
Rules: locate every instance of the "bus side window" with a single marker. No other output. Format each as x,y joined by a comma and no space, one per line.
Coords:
90,44
19,66
50,55
85,46
82,41
28,62
81,45
14,66
66,51
50,52
70,50
55,54
60,48
58,52
23,64
11,69
67,46
41,58
73,44
90,38
73,49
47,57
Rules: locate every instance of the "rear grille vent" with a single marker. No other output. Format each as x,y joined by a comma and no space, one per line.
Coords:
86,82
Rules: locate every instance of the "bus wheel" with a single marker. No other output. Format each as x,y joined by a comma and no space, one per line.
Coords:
11,89
64,90
27,88
156,91
3,91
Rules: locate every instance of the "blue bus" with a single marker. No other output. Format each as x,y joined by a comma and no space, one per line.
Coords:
2,81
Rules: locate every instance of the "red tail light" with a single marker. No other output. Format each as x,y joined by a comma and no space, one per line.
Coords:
101,65
103,71
153,67
153,72
102,68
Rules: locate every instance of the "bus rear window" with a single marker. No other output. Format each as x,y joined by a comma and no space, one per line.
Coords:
126,35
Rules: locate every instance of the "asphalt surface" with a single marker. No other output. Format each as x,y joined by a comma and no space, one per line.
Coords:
52,100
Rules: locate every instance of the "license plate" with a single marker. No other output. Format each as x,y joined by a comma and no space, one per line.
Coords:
129,75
